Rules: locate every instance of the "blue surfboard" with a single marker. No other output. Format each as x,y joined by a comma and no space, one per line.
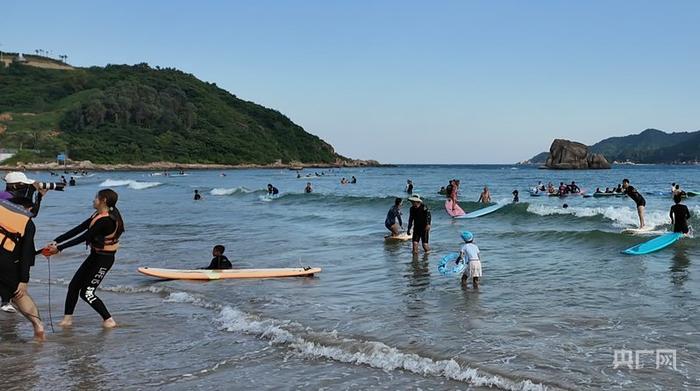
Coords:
656,244
482,211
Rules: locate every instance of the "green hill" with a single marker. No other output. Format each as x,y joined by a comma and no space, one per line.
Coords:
649,146
139,114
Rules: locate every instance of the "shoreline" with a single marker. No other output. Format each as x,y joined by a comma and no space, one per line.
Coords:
171,166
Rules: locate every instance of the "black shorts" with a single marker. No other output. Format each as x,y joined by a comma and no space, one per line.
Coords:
681,229
421,235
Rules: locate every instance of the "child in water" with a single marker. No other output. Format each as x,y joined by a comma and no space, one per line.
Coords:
470,253
219,262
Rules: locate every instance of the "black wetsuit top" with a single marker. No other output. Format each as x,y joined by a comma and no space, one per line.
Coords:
197,197
219,263
635,196
273,191
392,216
680,215
409,188
420,217
94,235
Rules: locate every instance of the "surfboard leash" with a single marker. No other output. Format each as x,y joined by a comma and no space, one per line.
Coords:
48,262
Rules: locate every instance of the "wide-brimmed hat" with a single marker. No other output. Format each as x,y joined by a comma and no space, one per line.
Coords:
415,198
18,177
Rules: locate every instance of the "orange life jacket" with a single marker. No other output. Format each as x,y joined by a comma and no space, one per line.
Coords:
111,241
13,222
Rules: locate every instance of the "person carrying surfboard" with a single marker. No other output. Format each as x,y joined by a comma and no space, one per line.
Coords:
638,199
101,231
470,253
393,218
679,215
419,218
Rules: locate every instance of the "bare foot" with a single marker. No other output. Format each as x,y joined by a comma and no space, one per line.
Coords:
109,323
39,335
67,321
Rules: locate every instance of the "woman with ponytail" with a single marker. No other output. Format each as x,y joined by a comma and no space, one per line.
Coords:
101,232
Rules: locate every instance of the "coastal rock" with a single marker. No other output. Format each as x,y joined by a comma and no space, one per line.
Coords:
571,155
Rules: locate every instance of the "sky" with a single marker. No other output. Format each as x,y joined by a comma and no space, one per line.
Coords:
406,81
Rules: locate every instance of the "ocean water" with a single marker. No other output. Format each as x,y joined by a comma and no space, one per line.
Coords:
557,300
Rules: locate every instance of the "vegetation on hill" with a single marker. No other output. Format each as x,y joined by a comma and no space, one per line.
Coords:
138,114
649,146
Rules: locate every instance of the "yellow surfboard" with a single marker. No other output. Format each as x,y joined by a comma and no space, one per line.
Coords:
175,274
402,237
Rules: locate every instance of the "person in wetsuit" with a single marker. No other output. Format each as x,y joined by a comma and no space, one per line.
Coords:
101,232
197,196
638,199
17,256
308,189
516,196
393,220
71,182
271,190
219,262
679,215
419,218
409,186
574,188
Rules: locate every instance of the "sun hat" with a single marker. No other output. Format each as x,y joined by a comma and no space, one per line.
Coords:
415,198
18,177
467,236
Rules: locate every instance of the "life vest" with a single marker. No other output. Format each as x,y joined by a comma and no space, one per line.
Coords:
111,241
13,222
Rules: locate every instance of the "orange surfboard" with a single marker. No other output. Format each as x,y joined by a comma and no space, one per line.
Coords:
175,274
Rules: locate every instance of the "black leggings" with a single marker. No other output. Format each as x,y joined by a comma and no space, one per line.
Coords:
85,282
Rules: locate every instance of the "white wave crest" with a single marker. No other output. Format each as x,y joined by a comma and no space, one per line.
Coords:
135,185
373,354
622,217
230,191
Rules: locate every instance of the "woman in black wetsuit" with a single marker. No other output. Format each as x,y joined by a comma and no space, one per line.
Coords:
101,232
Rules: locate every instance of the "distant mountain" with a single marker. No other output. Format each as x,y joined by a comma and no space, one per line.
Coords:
649,146
140,114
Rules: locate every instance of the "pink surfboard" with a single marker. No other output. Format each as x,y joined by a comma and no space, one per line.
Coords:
454,212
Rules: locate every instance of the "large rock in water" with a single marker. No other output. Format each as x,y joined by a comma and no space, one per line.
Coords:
570,155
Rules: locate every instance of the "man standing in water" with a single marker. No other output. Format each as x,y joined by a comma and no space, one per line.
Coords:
419,218
637,198
17,256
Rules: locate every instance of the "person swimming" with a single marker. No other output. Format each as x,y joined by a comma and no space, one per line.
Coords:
308,189
271,190
485,197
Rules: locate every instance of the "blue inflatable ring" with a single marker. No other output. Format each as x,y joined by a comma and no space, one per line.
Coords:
447,267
